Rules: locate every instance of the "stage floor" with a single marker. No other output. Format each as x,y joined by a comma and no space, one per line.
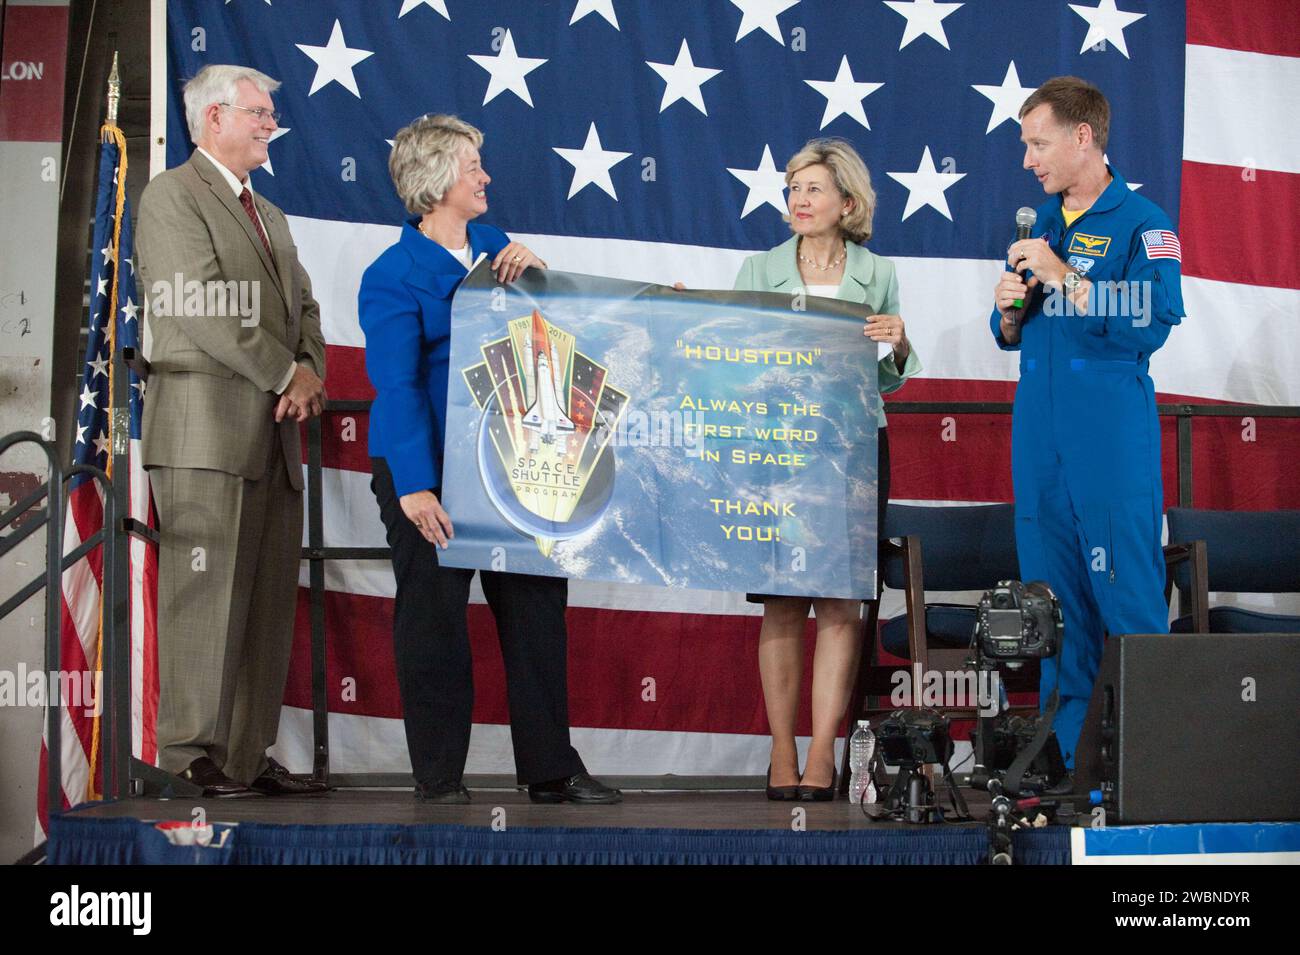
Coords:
656,809
501,826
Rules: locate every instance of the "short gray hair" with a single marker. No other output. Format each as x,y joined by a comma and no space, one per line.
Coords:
851,179
423,162
219,83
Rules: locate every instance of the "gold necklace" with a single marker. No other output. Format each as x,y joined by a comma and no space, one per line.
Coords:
420,229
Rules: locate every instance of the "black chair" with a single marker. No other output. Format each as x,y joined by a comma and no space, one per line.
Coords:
1243,552
970,548
966,548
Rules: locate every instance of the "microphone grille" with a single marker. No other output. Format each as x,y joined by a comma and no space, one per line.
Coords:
1026,216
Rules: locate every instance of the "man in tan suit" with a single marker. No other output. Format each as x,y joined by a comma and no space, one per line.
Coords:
237,360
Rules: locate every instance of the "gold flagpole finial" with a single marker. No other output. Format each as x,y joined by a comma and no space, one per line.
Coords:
114,92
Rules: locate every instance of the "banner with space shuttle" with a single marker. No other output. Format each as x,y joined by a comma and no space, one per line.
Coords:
621,431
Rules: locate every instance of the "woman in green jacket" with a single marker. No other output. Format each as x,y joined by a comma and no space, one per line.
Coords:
831,206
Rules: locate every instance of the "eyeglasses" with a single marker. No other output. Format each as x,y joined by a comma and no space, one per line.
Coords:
260,112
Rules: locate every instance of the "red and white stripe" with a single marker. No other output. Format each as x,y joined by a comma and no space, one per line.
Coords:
144,618
79,646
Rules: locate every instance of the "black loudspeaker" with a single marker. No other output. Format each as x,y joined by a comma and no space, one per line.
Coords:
1195,728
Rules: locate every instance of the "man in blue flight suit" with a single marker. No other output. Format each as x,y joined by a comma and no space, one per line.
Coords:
1099,282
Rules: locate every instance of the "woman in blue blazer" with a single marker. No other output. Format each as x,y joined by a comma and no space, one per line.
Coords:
831,206
405,311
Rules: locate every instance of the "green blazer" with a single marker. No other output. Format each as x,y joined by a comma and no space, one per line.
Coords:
868,278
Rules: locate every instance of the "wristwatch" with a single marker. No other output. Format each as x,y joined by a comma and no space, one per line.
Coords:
1071,281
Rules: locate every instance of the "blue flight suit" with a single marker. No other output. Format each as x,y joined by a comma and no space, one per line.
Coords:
1085,440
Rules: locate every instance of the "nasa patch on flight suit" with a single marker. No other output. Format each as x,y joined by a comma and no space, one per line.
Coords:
1085,244
1081,264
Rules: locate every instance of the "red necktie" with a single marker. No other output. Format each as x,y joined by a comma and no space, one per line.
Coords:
246,200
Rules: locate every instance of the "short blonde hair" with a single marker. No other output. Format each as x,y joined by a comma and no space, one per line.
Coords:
851,178
218,83
424,161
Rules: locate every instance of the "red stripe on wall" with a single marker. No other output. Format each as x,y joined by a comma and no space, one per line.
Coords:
1257,26
345,373
967,457
1237,225
704,667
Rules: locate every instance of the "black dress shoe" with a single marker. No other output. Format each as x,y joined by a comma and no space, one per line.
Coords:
780,793
203,772
278,781
819,793
580,789
447,793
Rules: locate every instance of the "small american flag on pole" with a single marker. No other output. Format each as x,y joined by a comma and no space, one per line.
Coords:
115,317
1162,244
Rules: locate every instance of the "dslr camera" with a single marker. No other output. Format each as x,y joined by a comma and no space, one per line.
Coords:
1016,622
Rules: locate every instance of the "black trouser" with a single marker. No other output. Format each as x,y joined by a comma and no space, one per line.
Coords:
434,668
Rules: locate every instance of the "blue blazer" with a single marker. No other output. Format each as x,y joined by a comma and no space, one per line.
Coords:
405,311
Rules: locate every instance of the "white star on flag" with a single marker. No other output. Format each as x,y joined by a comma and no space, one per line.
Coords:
130,310
87,399
273,137
1106,22
139,386
1007,98
683,80
101,443
81,433
604,7
508,70
926,186
130,266
438,5
761,15
766,184
334,62
844,95
102,288
107,253
924,18
100,365
591,164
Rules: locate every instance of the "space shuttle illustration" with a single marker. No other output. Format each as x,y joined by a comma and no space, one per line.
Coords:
545,418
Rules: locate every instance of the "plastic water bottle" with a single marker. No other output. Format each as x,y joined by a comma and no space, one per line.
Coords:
862,746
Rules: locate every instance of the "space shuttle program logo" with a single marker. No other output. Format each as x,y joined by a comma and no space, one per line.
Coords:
547,415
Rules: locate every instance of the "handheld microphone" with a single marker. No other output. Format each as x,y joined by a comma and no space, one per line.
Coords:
1025,219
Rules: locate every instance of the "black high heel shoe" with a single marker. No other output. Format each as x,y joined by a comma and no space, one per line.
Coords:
819,793
780,793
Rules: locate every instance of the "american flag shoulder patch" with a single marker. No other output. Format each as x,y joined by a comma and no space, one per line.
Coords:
1162,244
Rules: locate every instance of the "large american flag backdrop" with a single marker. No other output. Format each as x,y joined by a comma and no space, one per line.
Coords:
645,140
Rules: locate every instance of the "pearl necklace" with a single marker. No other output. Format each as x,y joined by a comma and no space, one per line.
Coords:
834,263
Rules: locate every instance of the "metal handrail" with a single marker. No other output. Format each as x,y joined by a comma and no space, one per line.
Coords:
53,517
